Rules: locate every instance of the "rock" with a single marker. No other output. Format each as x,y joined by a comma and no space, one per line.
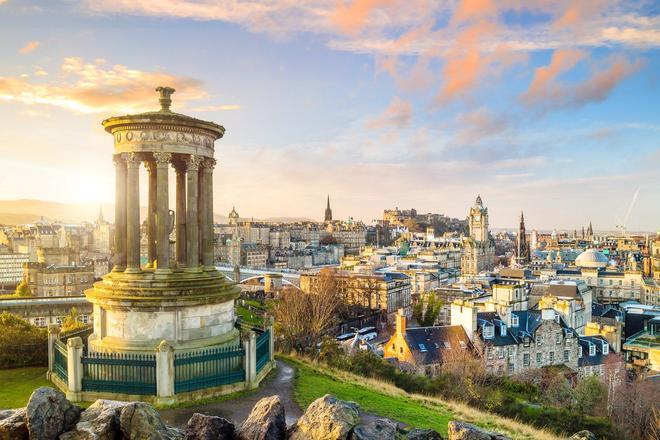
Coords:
140,421
49,414
379,429
265,422
583,435
98,422
203,427
423,434
466,431
13,424
327,418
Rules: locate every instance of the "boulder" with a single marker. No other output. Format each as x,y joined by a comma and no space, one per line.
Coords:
203,427
423,434
327,418
140,421
583,435
379,429
13,424
466,431
265,422
49,414
98,422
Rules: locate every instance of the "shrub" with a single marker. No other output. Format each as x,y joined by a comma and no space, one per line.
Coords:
21,343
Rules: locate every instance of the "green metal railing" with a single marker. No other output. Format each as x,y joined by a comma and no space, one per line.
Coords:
263,349
124,373
211,367
60,359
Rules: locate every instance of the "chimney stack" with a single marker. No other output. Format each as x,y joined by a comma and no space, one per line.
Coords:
401,323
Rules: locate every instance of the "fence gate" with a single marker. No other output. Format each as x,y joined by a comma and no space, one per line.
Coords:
60,359
263,349
207,368
124,373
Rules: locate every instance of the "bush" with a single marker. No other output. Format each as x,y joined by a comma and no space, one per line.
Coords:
21,343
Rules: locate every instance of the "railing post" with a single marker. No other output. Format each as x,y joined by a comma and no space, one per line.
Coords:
165,373
250,344
74,349
271,338
53,334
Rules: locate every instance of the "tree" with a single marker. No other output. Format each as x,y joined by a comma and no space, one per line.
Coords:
589,395
426,312
21,343
302,318
72,322
22,289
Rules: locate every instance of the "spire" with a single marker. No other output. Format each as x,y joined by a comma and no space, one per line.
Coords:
100,219
522,217
328,211
478,202
328,207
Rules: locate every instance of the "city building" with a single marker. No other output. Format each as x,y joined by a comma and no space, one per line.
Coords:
46,311
56,280
11,269
478,247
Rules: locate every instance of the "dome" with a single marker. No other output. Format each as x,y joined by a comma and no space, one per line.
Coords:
591,258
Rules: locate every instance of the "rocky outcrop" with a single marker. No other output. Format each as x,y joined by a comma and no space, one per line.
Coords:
98,422
140,421
466,431
265,422
13,424
583,435
379,429
49,414
203,427
327,418
423,434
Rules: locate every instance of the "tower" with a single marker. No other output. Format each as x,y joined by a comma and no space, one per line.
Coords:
180,299
328,211
478,247
590,232
522,246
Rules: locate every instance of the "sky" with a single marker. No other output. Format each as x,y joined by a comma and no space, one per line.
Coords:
551,107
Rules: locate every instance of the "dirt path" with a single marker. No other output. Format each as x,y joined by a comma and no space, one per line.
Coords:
236,410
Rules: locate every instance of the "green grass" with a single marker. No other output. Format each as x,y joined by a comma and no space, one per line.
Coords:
18,384
312,384
249,317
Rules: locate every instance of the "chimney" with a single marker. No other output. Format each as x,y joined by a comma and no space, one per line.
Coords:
547,314
464,313
401,322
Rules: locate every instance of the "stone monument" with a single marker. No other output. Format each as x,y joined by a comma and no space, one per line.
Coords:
181,298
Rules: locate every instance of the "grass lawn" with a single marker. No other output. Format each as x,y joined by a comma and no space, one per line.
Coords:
18,384
384,399
248,316
311,384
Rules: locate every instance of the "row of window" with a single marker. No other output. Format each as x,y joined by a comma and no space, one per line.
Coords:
42,321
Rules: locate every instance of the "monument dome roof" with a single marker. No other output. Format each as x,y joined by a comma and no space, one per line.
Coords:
591,258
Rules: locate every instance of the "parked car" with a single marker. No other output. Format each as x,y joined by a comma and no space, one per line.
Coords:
345,337
367,333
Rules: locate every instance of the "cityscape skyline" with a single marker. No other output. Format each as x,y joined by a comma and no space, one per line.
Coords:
362,101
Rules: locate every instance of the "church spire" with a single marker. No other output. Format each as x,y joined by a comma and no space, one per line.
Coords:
328,211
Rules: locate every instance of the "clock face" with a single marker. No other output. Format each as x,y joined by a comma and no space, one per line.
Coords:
477,217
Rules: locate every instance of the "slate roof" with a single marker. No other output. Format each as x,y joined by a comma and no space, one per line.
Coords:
598,358
528,322
428,344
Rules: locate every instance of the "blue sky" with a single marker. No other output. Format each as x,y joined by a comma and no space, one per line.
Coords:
551,109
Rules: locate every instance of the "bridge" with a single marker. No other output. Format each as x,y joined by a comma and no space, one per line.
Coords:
289,276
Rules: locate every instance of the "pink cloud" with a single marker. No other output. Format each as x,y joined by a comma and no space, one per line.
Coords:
397,114
29,47
351,19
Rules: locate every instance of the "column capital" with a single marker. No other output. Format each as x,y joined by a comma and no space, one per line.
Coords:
132,159
162,159
208,164
119,159
150,166
193,162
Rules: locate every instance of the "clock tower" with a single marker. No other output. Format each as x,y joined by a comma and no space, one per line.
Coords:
478,221
478,247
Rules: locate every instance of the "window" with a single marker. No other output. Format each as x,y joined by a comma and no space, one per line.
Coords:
502,329
500,353
567,355
592,349
489,331
489,352
526,359
401,350
539,340
552,356
40,321
422,348
606,348
84,319
514,320
558,338
539,358
580,351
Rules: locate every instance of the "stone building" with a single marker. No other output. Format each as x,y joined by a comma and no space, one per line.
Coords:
55,280
46,311
11,269
386,292
478,247
572,299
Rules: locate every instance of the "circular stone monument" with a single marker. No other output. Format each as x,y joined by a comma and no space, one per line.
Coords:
173,293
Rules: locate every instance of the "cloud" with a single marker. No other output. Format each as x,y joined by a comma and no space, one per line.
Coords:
216,108
480,124
398,114
546,92
29,47
89,87
351,19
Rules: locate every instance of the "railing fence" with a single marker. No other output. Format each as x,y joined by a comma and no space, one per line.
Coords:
60,359
263,350
207,368
124,373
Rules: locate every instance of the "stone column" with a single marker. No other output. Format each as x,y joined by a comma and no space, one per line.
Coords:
132,213
74,348
207,244
180,213
202,216
165,373
271,338
53,334
192,225
162,213
120,214
151,213
251,360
